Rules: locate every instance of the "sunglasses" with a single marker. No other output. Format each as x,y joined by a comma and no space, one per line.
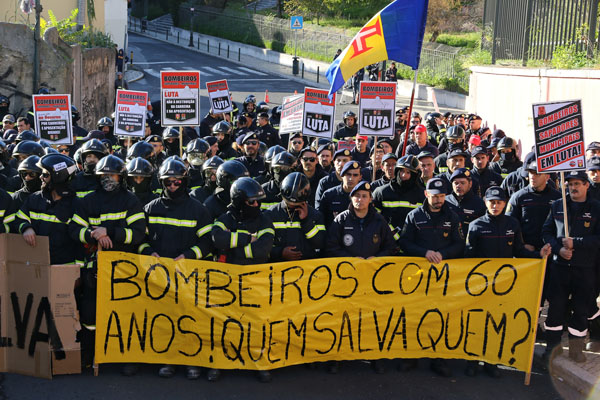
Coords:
63,150
309,159
251,202
30,174
296,142
174,182
45,175
251,142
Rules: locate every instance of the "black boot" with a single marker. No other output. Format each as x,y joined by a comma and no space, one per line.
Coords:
576,346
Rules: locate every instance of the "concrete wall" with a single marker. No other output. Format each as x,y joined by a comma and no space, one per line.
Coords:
88,75
115,20
504,97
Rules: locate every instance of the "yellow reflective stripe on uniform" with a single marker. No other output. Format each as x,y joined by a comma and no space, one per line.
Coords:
197,251
82,235
83,194
400,204
248,251
80,220
22,215
142,247
285,225
503,175
220,225
263,231
265,206
128,235
233,240
243,231
2,212
442,169
108,217
10,218
187,223
131,219
203,231
310,234
45,217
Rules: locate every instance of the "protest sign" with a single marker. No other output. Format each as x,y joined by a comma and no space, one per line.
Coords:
291,114
220,99
38,314
52,114
377,108
559,136
319,113
130,113
216,315
180,98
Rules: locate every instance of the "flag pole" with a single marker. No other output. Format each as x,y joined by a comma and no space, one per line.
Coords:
410,107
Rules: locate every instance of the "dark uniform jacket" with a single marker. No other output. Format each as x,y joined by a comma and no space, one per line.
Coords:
395,202
333,202
425,230
469,208
350,236
531,209
232,238
307,235
496,237
504,168
414,149
178,226
326,183
83,184
51,218
256,167
217,203
268,135
486,178
584,228
272,194
314,183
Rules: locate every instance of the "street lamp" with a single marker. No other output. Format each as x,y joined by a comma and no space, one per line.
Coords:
191,44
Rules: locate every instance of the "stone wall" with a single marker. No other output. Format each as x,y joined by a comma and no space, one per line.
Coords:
87,74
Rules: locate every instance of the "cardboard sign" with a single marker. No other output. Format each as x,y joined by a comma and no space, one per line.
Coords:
53,118
220,98
377,108
180,98
559,144
38,312
319,113
291,114
346,144
218,315
130,113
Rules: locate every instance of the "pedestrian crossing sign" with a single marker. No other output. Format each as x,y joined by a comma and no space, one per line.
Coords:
296,22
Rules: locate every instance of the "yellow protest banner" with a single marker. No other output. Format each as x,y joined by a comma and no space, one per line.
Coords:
156,310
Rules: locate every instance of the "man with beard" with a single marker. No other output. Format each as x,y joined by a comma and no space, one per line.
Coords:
337,199
403,194
254,163
388,165
222,131
340,158
325,155
484,176
467,204
312,170
266,133
593,172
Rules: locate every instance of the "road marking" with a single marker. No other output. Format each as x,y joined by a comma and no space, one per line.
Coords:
167,69
258,79
159,62
233,71
212,71
252,71
152,72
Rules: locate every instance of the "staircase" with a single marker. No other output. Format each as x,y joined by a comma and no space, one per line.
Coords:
161,24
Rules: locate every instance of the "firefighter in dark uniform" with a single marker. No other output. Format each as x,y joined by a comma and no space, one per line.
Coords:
255,164
593,172
454,139
509,162
209,170
311,168
85,181
518,179
496,235
243,235
467,204
171,137
299,228
48,212
110,218
403,194
348,129
139,179
281,166
227,173
433,231
572,270
196,153
30,174
481,171
337,199
266,133
176,215
360,231
340,158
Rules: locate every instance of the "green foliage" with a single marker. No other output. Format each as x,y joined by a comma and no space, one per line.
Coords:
476,57
71,33
469,40
568,57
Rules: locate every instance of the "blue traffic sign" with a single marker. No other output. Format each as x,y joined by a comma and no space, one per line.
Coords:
296,22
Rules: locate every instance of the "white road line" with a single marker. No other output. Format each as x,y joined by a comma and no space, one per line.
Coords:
233,71
257,79
168,69
159,62
152,72
252,71
212,71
